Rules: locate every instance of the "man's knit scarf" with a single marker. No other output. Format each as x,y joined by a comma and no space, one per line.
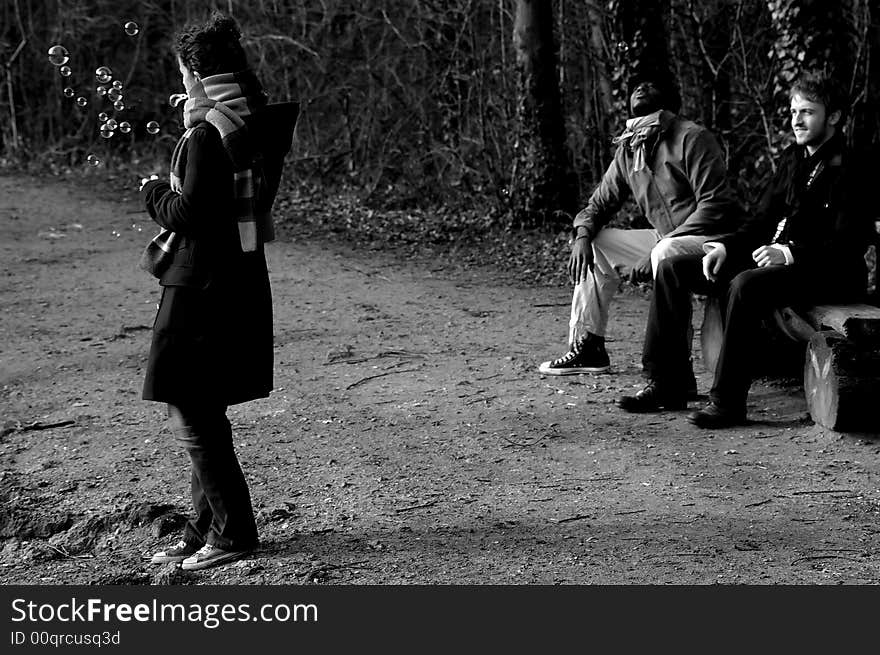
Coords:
636,133
221,100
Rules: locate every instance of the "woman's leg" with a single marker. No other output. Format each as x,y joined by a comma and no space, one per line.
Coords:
224,516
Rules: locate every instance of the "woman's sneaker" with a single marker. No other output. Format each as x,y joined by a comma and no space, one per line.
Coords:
588,356
209,555
177,553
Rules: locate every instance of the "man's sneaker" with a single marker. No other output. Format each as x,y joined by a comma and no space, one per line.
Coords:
588,356
652,399
209,555
177,553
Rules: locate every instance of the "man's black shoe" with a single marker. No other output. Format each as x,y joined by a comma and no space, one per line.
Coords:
588,356
713,417
652,399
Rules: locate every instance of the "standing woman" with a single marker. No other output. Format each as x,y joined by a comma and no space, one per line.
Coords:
212,339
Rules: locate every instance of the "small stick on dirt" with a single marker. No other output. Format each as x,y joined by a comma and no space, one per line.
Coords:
36,425
135,328
63,551
579,517
760,502
379,375
385,353
552,304
560,483
808,558
630,511
677,555
330,567
821,491
351,267
525,444
479,400
489,377
407,509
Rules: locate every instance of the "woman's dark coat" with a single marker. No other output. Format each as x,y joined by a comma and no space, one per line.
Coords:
212,338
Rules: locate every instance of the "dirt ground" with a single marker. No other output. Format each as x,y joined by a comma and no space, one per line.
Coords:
409,438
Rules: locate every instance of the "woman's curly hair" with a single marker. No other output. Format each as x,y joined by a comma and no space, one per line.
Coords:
212,46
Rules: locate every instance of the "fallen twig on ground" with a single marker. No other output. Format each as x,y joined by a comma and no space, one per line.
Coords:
315,570
760,502
379,375
579,517
63,551
525,444
36,425
407,509
808,558
821,491
384,353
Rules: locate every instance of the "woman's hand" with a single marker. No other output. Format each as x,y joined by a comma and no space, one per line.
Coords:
144,180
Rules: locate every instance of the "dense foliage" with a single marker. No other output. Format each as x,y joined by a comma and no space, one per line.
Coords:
415,102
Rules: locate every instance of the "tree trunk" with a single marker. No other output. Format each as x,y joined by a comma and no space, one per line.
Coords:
542,185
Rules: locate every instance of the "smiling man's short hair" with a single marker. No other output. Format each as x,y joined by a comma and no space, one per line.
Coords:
818,86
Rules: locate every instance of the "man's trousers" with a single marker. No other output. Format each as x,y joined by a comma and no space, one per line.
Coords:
615,252
747,296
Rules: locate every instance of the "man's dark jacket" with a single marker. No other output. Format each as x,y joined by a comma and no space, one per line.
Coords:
683,188
829,219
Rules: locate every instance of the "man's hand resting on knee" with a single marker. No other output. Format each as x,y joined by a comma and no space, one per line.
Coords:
713,260
581,259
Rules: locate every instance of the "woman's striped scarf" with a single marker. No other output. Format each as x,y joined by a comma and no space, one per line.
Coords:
221,100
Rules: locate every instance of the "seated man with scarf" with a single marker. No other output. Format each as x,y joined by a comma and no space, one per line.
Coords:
675,172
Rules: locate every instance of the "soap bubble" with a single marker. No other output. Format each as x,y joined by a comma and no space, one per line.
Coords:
153,127
131,28
65,71
93,160
125,127
81,101
119,105
102,117
68,92
106,132
117,84
111,123
101,90
58,55
103,74
114,94
176,98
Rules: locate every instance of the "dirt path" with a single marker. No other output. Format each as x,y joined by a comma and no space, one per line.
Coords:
409,439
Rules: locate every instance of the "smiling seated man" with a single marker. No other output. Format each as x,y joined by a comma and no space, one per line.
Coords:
805,245
675,172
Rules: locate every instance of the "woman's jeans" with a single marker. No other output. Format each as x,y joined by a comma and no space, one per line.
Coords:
220,496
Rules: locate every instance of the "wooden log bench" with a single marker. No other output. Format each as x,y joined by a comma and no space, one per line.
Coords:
841,364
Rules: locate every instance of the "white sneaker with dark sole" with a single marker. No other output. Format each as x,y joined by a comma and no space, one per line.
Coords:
208,556
548,368
576,361
177,553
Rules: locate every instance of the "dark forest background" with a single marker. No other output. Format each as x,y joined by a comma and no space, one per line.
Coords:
425,103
